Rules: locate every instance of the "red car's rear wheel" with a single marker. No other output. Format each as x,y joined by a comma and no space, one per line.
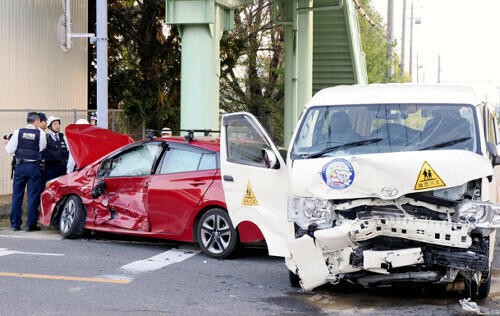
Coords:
216,234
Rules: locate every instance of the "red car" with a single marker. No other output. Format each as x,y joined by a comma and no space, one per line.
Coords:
166,188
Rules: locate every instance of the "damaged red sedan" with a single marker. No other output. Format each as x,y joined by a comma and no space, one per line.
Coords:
166,188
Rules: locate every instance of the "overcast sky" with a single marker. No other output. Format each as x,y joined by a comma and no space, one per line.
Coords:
464,33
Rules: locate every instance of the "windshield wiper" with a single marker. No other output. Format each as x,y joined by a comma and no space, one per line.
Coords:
447,143
352,144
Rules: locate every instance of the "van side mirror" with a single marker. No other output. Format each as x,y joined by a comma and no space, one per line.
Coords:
492,150
270,159
99,189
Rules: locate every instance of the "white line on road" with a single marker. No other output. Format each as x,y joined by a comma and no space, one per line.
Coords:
128,271
33,235
5,252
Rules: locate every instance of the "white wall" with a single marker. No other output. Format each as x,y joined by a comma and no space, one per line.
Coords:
34,72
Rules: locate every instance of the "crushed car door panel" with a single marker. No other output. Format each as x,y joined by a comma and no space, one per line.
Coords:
122,205
254,193
126,176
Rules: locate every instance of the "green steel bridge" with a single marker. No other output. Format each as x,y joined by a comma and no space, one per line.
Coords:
322,49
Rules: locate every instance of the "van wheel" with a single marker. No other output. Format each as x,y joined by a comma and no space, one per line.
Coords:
72,218
216,234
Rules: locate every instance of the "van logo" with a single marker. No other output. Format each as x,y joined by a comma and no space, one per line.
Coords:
389,191
338,174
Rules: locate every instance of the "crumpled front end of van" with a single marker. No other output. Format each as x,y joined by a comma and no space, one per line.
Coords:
378,230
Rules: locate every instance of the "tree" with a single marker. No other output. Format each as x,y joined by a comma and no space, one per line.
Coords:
144,63
252,67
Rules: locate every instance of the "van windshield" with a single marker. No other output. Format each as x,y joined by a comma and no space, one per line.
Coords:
382,128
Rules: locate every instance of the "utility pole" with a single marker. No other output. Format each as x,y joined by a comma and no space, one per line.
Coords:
439,68
417,67
411,44
102,62
390,35
403,40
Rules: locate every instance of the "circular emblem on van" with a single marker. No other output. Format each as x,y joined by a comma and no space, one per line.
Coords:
338,174
389,191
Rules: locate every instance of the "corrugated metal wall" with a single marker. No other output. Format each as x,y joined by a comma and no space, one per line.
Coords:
34,72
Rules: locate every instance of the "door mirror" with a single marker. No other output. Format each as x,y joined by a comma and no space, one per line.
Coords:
492,150
270,159
99,189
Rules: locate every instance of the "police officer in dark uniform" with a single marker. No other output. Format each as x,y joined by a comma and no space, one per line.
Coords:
56,154
26,143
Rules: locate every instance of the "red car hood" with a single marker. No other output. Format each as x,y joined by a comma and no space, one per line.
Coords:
88,143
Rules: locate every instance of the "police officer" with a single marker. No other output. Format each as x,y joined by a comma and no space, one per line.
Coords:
56,154
93,118
26,143
43,121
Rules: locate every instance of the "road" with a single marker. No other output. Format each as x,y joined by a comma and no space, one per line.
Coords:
44,274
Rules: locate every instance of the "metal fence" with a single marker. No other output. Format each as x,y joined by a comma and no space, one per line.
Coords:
13,119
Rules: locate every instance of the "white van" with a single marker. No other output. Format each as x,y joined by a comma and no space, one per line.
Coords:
382,184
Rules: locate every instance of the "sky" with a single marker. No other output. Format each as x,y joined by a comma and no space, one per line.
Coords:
464,33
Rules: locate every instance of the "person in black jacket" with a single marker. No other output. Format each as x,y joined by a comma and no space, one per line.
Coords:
26,144
56,153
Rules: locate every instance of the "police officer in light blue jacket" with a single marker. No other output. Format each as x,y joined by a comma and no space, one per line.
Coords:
26,144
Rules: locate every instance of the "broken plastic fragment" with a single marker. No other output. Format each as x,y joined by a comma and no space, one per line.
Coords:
470,306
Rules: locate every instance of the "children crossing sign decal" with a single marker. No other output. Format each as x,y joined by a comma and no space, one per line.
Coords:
428,178
249,197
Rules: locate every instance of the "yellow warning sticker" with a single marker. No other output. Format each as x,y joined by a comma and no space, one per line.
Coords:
428,178
249,197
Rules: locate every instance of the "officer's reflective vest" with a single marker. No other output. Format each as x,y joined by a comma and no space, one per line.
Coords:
56,151
28,144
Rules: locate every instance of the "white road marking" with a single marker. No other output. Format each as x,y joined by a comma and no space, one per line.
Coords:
159,261
5,252
33,235
129,271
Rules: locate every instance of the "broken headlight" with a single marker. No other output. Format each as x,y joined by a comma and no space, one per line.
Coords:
484,215
306,211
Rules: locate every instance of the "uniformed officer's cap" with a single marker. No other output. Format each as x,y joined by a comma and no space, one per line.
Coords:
42,116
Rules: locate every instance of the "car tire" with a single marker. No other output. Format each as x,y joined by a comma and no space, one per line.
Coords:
482,292
294,279
216,234
72,218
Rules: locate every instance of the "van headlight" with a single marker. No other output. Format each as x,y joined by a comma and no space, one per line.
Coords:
305,211
483,215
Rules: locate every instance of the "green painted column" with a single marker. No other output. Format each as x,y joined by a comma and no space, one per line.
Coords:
201,24
298,60
288,11
305,55
289,111
200,78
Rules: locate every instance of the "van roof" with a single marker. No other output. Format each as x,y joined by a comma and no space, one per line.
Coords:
393,93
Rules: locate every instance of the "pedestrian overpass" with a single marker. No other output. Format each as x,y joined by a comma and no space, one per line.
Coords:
322,49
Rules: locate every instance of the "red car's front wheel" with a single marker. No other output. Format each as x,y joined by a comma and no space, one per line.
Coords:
72,218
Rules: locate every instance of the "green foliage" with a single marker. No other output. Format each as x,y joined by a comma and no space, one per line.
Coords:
375,47
252,67
144,63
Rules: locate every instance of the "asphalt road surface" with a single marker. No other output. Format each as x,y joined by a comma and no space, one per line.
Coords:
42,274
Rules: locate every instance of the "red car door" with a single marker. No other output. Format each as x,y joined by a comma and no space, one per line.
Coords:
182,178
127,176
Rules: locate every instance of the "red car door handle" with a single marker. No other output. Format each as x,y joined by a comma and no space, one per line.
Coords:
197,183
